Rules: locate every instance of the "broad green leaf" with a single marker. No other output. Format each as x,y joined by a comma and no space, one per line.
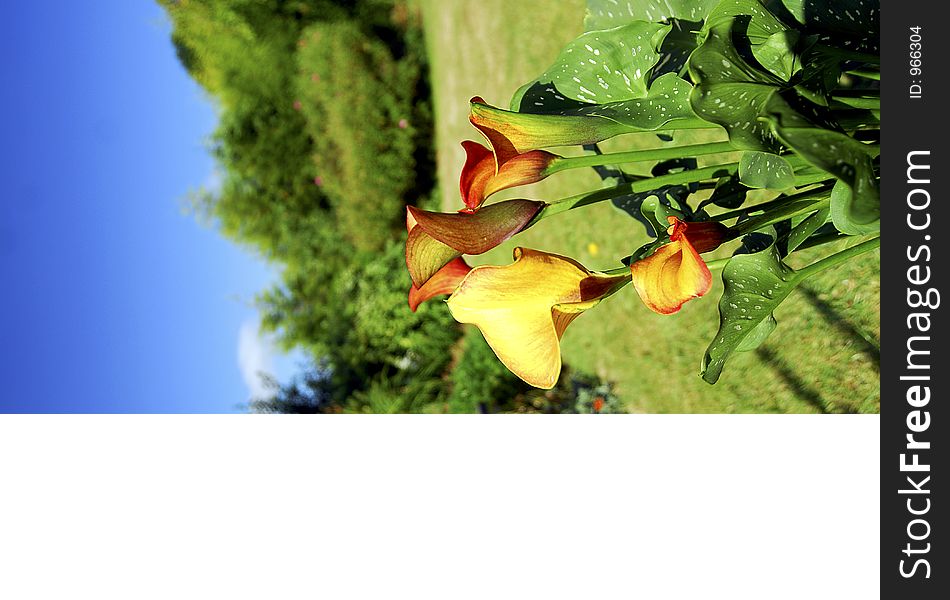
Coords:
805,228
856,208
606,14
731,92
736,107
598,67
666,104
759,24
758,335
765,170
820,71
852,25
843,209
717,60
755,284
777,54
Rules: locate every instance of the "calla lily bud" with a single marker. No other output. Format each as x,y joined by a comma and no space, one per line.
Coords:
437,238
480,177
513,133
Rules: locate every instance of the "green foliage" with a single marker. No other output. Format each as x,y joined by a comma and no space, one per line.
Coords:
359,102
323,138
352,311
755,284
622,60
765,170
605,14
767,77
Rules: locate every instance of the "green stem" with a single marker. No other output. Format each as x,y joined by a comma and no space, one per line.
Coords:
594,160
635,187
772,204
840,257
875,75
859,102
788,211
805,180
820,240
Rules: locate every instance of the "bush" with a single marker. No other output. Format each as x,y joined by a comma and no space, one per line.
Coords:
480,383
353,313
358,101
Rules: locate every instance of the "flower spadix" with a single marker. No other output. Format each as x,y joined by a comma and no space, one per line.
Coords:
675,273
481,177
437,238
523,308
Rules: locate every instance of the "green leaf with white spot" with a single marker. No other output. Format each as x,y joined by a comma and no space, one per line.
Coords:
850,25
856,198
763,330
765,170
759,24
736,107
606,14
731,92
755,284
843,209
666,105
717,60
805,228
777,54
598,67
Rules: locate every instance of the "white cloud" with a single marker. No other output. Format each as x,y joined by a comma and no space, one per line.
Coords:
213,182
255,357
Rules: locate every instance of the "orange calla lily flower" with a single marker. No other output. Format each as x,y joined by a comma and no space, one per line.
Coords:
523,308
481,177
437,238
675,273
513,133
443,282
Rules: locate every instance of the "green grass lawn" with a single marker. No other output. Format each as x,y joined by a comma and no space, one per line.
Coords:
823,357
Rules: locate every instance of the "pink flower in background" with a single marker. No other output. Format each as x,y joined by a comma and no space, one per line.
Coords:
315,77
403,123
318,181
298,104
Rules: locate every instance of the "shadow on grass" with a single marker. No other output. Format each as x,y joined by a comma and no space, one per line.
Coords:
799,387
864,342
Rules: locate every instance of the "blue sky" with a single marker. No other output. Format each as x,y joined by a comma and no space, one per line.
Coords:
113,298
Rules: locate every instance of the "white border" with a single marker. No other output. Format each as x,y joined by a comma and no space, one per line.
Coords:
467,507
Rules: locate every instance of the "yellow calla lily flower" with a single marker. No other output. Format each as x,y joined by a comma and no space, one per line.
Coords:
523,308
